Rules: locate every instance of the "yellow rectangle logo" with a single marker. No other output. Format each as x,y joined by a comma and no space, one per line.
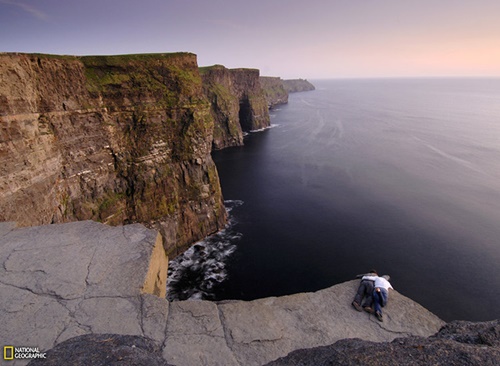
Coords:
6,350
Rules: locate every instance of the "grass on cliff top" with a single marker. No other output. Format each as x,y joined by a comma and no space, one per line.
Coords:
116,60
204,69
105,59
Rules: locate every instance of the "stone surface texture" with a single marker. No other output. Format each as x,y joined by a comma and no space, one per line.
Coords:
63,280
457,343
67,280
104,350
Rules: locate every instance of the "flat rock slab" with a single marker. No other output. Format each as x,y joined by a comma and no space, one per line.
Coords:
259,331
62,281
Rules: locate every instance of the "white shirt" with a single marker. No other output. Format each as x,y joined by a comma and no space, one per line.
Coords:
379,282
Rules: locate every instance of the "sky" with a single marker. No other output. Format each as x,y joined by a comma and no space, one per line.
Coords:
288,38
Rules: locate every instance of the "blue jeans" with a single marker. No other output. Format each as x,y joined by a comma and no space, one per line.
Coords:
365,289
380,299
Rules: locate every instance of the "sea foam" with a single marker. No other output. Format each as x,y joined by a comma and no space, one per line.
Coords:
194,274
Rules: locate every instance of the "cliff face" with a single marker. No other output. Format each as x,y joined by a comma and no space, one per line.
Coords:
274,90
115,139
297,85
238,103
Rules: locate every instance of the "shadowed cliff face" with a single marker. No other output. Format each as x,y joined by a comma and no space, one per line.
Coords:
237,101
116,139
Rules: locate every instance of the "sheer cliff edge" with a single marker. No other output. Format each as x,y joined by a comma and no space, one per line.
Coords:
120,139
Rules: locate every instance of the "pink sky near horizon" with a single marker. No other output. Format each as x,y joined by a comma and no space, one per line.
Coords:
287,38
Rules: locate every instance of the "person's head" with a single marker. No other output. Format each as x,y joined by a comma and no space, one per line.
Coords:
374,271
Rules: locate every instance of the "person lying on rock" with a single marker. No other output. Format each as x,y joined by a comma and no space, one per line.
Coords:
380,293
365,290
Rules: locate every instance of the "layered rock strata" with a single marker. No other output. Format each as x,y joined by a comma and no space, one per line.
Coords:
62,281
238,103
117,139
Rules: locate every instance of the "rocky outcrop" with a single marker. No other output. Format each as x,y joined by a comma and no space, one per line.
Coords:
297,85
225,106
274,90
62,281
104,350
117,139
237,102
457,343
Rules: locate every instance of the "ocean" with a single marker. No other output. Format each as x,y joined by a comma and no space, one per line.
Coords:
398,175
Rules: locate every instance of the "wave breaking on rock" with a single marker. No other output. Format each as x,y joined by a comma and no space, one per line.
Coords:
194,274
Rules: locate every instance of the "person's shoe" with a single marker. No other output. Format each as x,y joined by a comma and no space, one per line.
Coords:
379,316
368,309
356,306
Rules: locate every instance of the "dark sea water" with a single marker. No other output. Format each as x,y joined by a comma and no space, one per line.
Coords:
400,175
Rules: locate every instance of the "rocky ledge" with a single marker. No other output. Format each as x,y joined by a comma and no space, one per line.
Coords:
85,278
457,343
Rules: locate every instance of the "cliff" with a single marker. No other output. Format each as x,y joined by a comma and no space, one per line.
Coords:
117,139
238,103
85,278
297,85
274,91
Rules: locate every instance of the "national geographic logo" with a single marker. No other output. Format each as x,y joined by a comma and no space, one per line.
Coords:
22,353
8,353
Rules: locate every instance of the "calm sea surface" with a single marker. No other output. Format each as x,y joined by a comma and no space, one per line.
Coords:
400,175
